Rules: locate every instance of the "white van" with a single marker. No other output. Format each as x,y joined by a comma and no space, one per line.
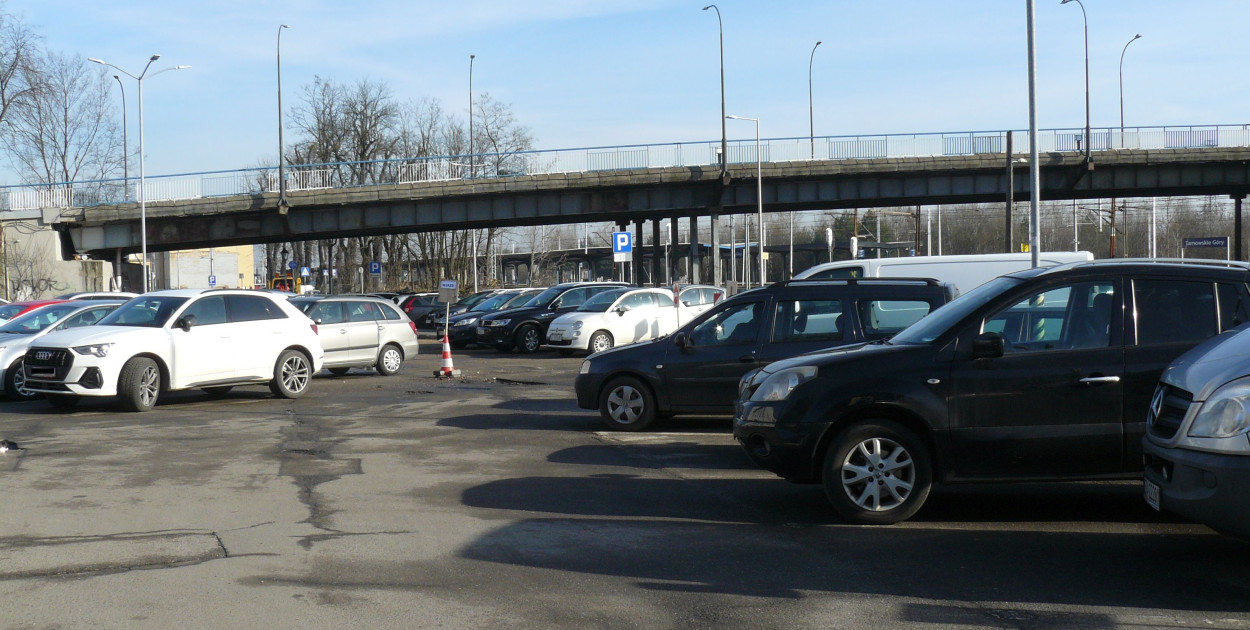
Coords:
965,272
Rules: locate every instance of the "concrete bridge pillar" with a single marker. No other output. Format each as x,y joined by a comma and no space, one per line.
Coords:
716,274
657,255
694,248
1238,252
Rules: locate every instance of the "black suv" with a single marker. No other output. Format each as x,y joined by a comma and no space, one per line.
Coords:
525,328
1044,374
696,369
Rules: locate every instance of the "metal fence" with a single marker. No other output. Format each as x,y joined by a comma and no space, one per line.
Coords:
612,158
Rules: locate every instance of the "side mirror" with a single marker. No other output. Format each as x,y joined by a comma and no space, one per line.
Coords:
988,345
622,309
686,303
317,321
682,340
185,322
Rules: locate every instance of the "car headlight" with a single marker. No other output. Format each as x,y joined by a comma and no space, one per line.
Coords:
745,382
1224,413
577,325
779,385
585,369
498,322
97,349
465,322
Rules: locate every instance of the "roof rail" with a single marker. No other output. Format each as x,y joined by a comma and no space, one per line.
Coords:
1187,261
855,281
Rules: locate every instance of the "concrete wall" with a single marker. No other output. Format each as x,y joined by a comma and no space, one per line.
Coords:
190,269
35,269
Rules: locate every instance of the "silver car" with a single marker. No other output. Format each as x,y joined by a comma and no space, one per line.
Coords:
361,331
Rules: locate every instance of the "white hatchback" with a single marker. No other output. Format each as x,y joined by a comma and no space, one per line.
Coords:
179,339
618,317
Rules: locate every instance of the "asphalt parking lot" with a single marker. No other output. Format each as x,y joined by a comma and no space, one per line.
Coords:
493,502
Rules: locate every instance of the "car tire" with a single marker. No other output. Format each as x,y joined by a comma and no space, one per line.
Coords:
877,472
15,382
139,385
600,341
528,339
218,391
338,371
627,404
62,401
390,360
291,374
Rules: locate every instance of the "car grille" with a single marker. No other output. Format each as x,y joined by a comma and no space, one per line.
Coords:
48,363
1167,410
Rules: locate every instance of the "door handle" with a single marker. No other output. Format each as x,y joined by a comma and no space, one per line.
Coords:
747,358
1100,380
342,331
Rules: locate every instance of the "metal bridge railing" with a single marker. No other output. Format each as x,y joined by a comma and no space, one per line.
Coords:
610,158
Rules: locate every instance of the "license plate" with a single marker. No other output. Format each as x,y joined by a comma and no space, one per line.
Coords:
1150,491
483,331
555,336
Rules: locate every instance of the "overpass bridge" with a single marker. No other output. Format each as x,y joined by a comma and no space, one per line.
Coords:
633,184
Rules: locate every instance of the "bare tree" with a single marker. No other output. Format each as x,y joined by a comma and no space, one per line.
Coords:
19,50
496,131
66,132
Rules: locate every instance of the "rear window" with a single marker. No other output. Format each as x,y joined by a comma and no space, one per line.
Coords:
885,318
249,308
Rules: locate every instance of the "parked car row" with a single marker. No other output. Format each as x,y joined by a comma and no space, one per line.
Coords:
1041,375
212,340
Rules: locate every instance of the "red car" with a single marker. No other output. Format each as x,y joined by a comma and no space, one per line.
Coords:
13,309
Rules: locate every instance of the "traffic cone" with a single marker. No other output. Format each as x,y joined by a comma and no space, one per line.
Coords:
447,371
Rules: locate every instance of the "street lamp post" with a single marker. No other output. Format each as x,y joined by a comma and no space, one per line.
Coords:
811,116
126,146
143,210
471,58
759,191
283,204
1135,38
724,139
1088,138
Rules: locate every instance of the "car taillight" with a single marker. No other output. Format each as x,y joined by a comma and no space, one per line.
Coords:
408,307
314,327
413,326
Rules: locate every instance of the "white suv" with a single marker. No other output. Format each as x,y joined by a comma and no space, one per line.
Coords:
179,339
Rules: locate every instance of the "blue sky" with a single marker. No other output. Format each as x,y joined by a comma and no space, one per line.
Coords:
592,73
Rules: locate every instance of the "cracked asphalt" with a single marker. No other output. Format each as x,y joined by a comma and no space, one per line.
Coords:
493,502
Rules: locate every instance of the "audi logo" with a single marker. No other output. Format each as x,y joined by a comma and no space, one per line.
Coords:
43,355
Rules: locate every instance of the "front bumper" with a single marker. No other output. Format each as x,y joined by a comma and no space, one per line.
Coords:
785,449
72,373
587,387
561,337
1211,488
494,335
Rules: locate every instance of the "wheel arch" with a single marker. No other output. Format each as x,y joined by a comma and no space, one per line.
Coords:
895,413
166,377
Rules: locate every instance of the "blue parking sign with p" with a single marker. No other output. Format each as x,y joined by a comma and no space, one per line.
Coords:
622,242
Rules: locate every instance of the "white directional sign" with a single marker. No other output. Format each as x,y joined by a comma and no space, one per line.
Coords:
447,291
622,246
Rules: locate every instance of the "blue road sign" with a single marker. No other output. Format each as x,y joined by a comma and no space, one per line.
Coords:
292,265
622,242
375,268
304,271
212,281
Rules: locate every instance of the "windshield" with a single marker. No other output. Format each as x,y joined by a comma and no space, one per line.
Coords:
600,303
493,303
38,319
933,325
304,305
144,311
521,299
473,299
545,298
9,310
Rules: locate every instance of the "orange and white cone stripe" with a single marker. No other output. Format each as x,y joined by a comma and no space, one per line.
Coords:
447,370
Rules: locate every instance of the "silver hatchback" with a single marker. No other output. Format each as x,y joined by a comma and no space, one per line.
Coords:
361,331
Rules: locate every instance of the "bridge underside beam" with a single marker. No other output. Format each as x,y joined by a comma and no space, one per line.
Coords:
786,188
